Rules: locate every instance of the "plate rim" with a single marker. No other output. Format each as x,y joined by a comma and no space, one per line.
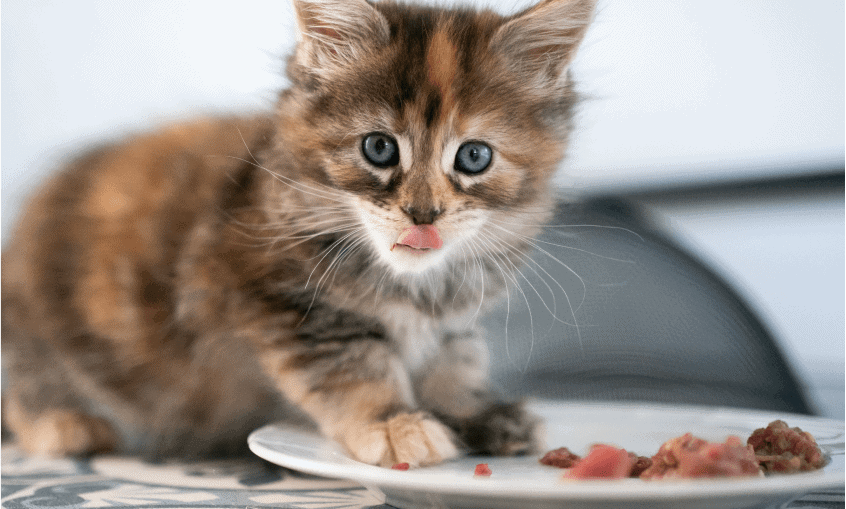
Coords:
614,490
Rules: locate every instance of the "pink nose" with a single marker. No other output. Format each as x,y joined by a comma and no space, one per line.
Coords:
421,236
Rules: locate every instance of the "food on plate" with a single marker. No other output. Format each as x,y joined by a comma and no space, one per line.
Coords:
482,470
561,458
639,464
401,466
602,462
780,448
687,457
776,448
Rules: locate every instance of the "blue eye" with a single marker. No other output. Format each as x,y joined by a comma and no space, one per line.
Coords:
473,157
380,150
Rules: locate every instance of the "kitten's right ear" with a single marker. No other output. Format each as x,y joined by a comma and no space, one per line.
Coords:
336,33
540,42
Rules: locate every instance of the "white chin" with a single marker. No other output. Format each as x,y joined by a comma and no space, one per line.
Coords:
407,260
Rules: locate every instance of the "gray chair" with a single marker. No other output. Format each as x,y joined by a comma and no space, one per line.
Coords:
644,321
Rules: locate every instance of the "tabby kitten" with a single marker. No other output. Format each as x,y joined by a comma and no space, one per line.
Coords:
168,294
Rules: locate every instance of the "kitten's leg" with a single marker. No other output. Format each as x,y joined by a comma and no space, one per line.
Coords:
359,393
455,387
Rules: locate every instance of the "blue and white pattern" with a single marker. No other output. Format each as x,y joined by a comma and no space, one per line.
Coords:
36,483
29,483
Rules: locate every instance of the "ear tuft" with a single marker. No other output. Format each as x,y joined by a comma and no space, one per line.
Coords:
540,42
337,33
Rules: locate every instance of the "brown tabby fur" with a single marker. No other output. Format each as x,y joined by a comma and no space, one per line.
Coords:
171,292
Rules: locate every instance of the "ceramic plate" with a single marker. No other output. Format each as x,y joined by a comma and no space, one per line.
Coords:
525,483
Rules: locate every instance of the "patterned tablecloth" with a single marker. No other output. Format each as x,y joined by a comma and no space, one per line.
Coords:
108,481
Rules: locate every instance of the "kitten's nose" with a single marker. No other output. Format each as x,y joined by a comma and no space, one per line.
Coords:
422,215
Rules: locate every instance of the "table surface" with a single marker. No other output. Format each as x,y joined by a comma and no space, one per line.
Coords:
112,481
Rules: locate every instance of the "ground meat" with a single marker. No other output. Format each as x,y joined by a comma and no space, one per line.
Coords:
782,449
639,464
687,457
561,458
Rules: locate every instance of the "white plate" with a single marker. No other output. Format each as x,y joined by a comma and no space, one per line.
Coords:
525,483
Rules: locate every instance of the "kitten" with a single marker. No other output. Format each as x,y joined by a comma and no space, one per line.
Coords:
168,294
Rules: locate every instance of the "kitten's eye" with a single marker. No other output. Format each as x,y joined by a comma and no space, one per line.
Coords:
473,157
380,149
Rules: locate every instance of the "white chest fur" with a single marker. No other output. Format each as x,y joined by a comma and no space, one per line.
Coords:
416,336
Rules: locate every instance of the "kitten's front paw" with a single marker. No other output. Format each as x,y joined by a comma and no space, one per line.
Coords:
413,438
503,429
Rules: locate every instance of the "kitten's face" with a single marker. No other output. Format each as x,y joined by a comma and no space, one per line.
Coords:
440,134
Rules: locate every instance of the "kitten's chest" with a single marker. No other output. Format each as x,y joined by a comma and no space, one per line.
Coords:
416,336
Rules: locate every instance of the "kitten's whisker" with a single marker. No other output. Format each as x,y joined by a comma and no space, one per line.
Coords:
566,295
378,293
336,197
530,260
328,250
257,165
532,243
463,274
471,245
569,226
507,305
525,298
567,247
345,252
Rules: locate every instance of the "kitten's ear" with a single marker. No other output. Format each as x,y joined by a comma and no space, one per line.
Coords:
336,33
540,42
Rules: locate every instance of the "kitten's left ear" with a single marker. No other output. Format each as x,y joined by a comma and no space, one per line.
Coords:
540,42
336,33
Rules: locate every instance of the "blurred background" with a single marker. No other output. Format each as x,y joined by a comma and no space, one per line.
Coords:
712,132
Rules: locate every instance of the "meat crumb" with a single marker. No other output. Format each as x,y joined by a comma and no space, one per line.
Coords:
482,470
401,466
561,458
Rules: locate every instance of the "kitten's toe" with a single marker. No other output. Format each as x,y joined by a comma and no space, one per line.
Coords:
413,438
503,429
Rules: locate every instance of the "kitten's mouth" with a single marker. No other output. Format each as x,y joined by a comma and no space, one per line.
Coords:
421,237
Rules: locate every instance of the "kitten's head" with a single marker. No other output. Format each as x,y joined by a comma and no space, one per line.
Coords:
440,128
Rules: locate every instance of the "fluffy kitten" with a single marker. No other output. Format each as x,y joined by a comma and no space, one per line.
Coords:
169,293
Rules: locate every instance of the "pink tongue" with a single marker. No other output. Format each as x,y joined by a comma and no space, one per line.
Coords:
422,236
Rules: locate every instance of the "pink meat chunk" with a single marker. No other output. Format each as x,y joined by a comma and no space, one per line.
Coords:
602,462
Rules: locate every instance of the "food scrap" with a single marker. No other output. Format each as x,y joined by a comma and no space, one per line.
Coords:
564,458
688,457
401,466
602,462
780,448
774,449
482,470
561,458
